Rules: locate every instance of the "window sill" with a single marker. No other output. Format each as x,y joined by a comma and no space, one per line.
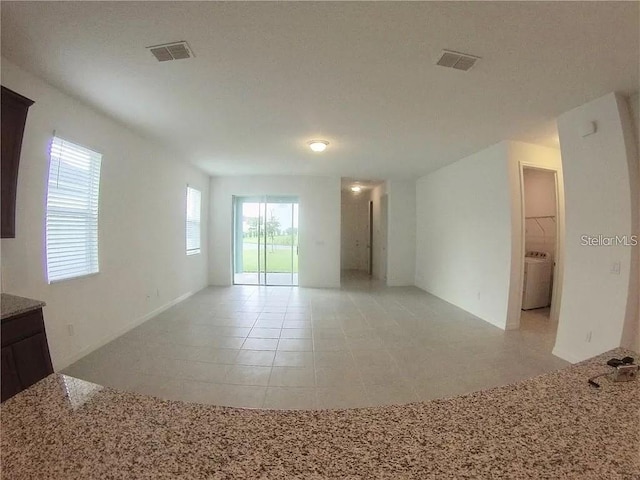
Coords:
79,277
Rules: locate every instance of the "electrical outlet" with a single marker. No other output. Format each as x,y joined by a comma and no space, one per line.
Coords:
70,329
478,295
588,337
615,268
158,292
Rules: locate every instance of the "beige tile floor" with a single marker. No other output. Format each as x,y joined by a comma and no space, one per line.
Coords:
290,347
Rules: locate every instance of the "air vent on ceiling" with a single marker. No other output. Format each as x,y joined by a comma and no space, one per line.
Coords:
171,51
457,60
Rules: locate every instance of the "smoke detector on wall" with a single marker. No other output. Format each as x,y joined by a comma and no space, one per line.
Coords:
171,51
457,60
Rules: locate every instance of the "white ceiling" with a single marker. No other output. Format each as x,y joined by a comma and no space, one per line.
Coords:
269,76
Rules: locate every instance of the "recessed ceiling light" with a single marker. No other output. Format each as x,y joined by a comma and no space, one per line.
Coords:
356,189
318,145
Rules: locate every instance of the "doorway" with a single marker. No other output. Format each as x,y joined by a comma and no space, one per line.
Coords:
540,238
355,233
541,233
265,240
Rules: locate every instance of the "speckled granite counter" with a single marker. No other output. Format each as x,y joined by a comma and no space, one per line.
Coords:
11,305
550,427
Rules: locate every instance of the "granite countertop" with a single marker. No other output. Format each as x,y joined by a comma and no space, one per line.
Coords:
11,305
554,426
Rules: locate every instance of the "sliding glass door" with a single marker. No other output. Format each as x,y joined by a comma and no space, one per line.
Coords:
265,240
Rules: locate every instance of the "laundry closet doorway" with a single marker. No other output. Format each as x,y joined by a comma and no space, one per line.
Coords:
539,192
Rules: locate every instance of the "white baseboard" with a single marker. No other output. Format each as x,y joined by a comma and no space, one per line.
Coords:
321,285
564,355
512,325
130,326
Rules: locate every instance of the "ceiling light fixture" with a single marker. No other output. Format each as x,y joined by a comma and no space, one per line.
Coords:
356,189
318,145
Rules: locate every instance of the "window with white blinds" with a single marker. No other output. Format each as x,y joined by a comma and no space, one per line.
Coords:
193,221
72,211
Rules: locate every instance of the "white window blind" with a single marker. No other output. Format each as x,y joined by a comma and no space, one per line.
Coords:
193,221
72,211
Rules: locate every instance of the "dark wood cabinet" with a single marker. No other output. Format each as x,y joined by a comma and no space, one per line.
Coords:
14,116
10,381
25,352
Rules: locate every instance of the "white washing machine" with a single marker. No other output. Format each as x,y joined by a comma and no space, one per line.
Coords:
536,288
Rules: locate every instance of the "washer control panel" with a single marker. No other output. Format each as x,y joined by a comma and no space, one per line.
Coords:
534,254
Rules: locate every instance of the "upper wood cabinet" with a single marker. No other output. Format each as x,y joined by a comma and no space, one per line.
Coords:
14,116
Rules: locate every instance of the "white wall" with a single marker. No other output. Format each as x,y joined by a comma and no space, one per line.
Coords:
463,234
401,232
354,254
601,198
540,193
540,201
141,225
319,224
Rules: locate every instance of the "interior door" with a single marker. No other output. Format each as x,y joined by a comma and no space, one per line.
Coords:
354,233
384,209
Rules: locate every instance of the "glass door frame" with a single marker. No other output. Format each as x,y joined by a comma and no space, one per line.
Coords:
263,201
